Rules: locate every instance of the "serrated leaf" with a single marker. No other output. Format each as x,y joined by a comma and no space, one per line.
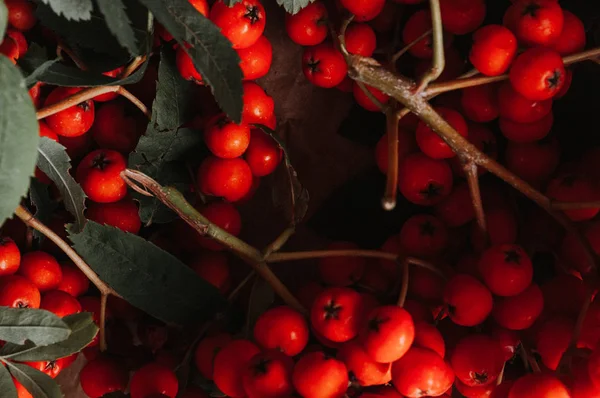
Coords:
54,161
83,330
147,276
3,18
38,326
294,199
119,24
212,54
7,386
76,10
37,383
39,69
39,196
19,138
261,298
294,6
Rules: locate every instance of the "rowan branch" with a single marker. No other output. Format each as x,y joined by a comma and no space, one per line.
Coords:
391,187
439,60
408,46
470,169
177,202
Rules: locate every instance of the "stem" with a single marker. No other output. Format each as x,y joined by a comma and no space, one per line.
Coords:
439,61
391,186
407,47
133,65
404,286
473,180
177,202
61,48
278,243
102,332
371,97
239,287
134,100
574,205
426,265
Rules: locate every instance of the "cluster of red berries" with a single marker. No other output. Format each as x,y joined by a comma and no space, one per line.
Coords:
21,18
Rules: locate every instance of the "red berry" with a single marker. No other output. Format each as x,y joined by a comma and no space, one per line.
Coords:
308,27
502,226
538,74
60,303
552,340
103,375
263,154
73,281
259,107
526,132
99,174
424,181
574,188
469,301
227,178
122,214
20,40
109,96
18,292
572,36
535,22
206,351
21,14
153,378
316,375
42,269
425,284
388,334
462,16
415,27
282,328
594,368
324,66
186,66
421,372
242,23
521,311
341,271
423,235
53,368
230,364
255,61
268,375
477,360
432,144
360,39
201,6
115,130
225,139
534,162
73,121
506,269
213,268
493,50
515,107
363,10
428,336
509,341
364,100
456,209
364,369
337,314
538,385
564,294
78,146
223,215
480,103
10,257
10,49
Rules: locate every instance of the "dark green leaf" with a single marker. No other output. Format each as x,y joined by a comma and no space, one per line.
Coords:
294,198
19,138
146,276
7,386
39,326
293,6
37,383
119,24
211,52
44,206
55,162
3,18
38,68
76,10
83,330
261,298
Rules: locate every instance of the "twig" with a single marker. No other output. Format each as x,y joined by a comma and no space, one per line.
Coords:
407,47
177,202
133,65
239,287
61,48
501,375
391,187
278,243
479,80
439,60
575,205
134,100
473,181
404,286
426,265
371,97
102,331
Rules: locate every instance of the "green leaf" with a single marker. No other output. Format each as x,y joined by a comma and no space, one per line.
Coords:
294,198
7,386
294,6
3,18
55,162
119,24
212,54
39,326
44,206
261,298
19,138
37,383
146,276
76,10
83,330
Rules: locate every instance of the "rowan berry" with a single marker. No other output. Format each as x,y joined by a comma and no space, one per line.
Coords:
462,16
494,47
206,351
360,39
526,132
186,66
421,372
569,187
73,121
268,375
534,162
365,101
572,37
424,181
415,27
343,270
213,268
539,385
227,178
153,378
388,334
432,144
99,174
363,368
41,269
469,301
242,24
103,375
10,256
60,303
515,107
324,66
477,360
259,107
21,14
255,61
263,154
480,103
363,10
337,314
226,139
538,74
17,291
113,129
230,364
428,336
308,27
318,375
73,280
535,22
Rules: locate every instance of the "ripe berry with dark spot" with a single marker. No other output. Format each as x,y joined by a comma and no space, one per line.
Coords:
73,121
477,360
337,314
324,66
468,301
242,23
282,328
424,181
99,174
317,375
420,373
506,269
388,334
268,375
538,74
